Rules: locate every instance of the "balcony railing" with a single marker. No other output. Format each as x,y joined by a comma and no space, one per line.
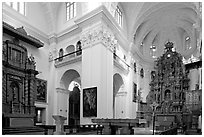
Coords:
69,55
68,58
120,62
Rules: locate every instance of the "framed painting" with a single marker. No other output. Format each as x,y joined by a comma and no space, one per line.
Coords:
134,92
90,102
41,90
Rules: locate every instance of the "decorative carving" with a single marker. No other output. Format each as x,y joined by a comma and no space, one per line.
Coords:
169,82
31,62
50,56
99,35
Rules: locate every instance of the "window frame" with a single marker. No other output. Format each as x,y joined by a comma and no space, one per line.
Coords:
18,8
118,15
70,10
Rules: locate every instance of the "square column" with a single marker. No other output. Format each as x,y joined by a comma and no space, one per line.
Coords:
97,69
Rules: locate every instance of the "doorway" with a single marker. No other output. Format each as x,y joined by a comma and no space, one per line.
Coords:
74,106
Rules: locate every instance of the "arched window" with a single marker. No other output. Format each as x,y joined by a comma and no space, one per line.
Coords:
135,67
70,10
153,51
70,50
78,46
187,43
118,15
61,52
142,73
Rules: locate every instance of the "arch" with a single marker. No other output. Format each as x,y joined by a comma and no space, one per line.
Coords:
69,76
70,49
61,53
78,48
118,105
117,83
74,97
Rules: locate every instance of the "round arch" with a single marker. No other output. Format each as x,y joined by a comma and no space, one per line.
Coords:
74,96
118,105
69,76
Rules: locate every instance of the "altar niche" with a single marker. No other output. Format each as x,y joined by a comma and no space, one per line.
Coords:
169,84
19,81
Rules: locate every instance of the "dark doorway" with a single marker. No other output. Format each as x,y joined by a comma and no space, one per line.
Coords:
74,107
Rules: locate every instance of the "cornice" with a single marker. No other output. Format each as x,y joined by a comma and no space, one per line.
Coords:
102,15
61,90
69,61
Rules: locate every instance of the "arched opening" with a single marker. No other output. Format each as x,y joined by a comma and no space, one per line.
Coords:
72,81
118,105
70,49
61,53
74,105
78,46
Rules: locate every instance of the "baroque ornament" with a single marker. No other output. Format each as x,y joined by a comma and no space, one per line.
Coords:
100,35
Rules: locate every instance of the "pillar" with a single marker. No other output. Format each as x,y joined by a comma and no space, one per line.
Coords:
97,68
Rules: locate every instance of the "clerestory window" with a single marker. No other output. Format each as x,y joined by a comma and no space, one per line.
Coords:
71,10
18,6
118,16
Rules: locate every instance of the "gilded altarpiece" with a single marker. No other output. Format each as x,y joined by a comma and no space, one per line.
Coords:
169,84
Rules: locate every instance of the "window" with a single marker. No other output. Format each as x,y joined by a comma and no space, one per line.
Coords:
18,6
118,15
71,10
153,51
187,43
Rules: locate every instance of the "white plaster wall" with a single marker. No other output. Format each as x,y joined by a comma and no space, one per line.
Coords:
35,14
97,69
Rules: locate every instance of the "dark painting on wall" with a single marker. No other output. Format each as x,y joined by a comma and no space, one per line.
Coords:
90,102
134,92
41,90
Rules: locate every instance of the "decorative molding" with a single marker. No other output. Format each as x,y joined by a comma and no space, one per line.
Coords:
62,90
121,94
68,61
121,67
99,34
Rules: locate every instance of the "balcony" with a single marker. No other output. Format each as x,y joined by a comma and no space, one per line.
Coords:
68,59
121,64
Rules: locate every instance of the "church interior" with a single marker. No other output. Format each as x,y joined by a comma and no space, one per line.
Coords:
101,68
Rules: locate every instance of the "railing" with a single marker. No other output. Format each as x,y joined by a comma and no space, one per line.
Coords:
69,55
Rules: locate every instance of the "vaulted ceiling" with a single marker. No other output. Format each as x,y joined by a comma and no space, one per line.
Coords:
152,23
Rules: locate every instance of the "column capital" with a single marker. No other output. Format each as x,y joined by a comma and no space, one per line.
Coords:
98,34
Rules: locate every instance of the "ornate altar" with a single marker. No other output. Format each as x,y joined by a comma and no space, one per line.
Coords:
169,84
18,79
